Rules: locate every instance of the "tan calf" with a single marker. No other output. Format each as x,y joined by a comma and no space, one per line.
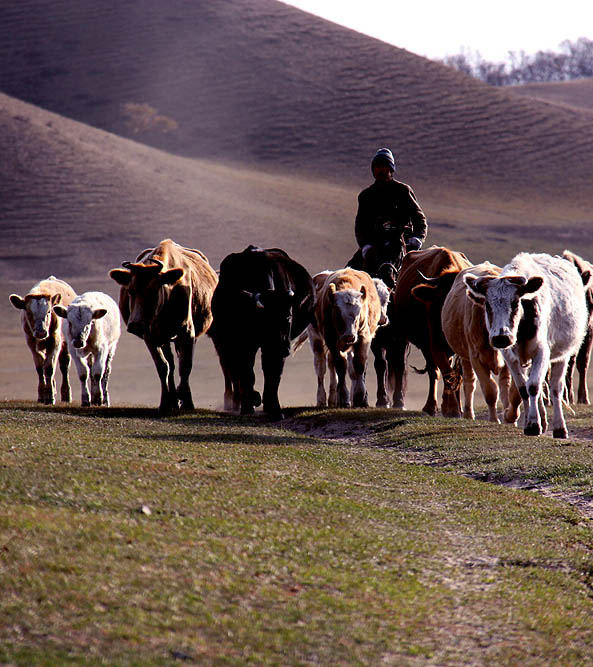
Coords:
43,333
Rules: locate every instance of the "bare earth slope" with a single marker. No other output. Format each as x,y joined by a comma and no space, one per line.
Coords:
575,95
265,82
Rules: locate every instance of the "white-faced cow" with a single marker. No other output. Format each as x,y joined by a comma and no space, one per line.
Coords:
319,348
91,328
411,320
263,301
464,327
583,357
43,334
348,313
165,298
536,315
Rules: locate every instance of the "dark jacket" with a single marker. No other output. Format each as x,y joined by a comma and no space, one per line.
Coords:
388,202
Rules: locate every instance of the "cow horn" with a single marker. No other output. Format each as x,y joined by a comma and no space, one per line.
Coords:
126,265
157,262
428,280
258,302
290,293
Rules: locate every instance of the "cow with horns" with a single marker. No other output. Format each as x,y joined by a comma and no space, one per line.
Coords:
263,301
165,297
536,314
417,320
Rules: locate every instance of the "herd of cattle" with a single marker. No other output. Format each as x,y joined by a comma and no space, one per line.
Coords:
528,324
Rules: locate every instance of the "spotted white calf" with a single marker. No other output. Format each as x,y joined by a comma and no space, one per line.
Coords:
44,335
91,327
536,315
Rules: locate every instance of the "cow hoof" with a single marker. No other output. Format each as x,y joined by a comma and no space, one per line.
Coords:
360,401
85,404
561,433
532,429
275,416
256,399
247,410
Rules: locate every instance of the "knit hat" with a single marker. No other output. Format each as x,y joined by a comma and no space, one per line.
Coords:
383,155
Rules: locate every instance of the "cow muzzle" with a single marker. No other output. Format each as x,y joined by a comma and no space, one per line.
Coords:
137,328
40,334
501,341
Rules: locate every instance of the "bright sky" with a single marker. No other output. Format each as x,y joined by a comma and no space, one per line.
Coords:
436,28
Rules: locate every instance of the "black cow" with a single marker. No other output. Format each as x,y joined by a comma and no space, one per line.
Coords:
264,299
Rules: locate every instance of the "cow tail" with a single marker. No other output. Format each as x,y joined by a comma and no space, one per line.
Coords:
454,377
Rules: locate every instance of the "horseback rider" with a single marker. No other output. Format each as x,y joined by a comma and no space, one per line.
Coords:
388,215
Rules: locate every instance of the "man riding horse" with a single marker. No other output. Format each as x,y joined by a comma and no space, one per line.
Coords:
389,221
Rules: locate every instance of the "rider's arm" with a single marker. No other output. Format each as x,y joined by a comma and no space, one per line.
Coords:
417,217
363,228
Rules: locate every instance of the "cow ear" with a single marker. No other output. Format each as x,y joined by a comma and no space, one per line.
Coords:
332,289
17,301
172,276
586,278
121,276
363,292
60,311
424,293
476,288
99,313
531,286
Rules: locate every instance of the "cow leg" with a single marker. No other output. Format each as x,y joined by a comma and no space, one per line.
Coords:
534,389
380,365
38,360
272,366
430,407
49,373
245,380
489,388
332,401
340,364
583,358
398,373
358,365
64,363
557,374
469,388
83,375
504,386
185,354
569,378
96,371
105,378
320,364
165,367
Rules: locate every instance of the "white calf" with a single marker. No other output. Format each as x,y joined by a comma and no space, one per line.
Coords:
91,327
536,315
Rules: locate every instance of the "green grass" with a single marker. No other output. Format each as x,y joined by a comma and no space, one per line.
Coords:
207,538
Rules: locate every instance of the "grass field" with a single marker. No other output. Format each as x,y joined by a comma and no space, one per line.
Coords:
336,538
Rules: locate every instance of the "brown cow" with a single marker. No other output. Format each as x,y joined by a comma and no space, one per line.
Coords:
43,333
347,312
165,297
412,321
465,330
584,354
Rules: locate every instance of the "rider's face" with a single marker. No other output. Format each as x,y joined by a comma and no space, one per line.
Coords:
382,172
